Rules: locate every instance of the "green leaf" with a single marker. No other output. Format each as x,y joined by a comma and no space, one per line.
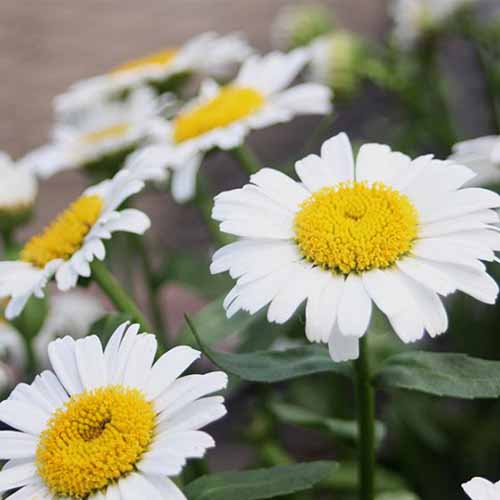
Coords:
106,326
262,483
273,366
296,415
441,374
32,318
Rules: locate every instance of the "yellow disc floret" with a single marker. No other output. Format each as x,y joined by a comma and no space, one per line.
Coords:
62,238
162,58
231,104
355,227
98,437
112,132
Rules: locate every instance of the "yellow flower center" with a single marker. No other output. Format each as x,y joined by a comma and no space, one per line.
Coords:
354,227
112,132
63,237
231,104
94,440
161,58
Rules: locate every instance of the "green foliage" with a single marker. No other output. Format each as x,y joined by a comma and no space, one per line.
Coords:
259,484
105,326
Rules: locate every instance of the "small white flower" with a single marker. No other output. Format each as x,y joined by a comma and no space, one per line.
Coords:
385,229
221,117
207,53
482,489
483,156
108,423
18,191
72,314
414,17
68,245
12,355
110,128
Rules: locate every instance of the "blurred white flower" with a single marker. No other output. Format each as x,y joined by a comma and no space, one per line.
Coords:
18,191
298,25
412,18
72,314
12,355
482,489
406,234
483,156
208,54
72,241
221,117
111,128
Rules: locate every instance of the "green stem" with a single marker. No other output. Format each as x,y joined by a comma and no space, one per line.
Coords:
117,294
152,289
366,423
247,159
8,241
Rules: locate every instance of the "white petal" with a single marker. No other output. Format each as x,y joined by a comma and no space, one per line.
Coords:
184,180
480,489
355,307
307,98
130,220
376,162
90,362
161,462
17,476
24,417
341,347
35,491
135,486
337,153
315,173
63,360
15,444
188,444
128,342
140,361
167,488
429,276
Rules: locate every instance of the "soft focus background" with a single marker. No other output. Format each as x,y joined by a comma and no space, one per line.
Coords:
45,45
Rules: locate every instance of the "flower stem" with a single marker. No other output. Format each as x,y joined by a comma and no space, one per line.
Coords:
366,423
247,159
117,294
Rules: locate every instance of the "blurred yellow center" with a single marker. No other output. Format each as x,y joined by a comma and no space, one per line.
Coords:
355,227
162,58
231,104
113,132
94,440
63,237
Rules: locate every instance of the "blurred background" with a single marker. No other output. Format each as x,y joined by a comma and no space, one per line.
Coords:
45,45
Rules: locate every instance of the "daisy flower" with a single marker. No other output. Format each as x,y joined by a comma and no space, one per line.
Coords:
412,18
68,244
18,191
221,117
298,25
384,229
207,53
12,355
482,489
72,313
112,129
483,156
108,423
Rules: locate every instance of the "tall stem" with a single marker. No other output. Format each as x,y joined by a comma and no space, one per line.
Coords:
117,294
366,423
247,159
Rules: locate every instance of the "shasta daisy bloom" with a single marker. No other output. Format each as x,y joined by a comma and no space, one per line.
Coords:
385,229
483,156
18,191
70,243
108,423
482,489
207,53
221,117
412,18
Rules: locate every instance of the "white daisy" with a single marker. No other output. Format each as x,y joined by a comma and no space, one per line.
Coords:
72,314
384,230
483,156
108,424
482,489
414,17
18,191
68,245
221,117
207,53
12,355
112,128
298,25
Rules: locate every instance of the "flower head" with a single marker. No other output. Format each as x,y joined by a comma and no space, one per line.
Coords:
298,25
110,129
385,229
12,355
18,191
71,242
207,53
221,117
482,489
108,423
